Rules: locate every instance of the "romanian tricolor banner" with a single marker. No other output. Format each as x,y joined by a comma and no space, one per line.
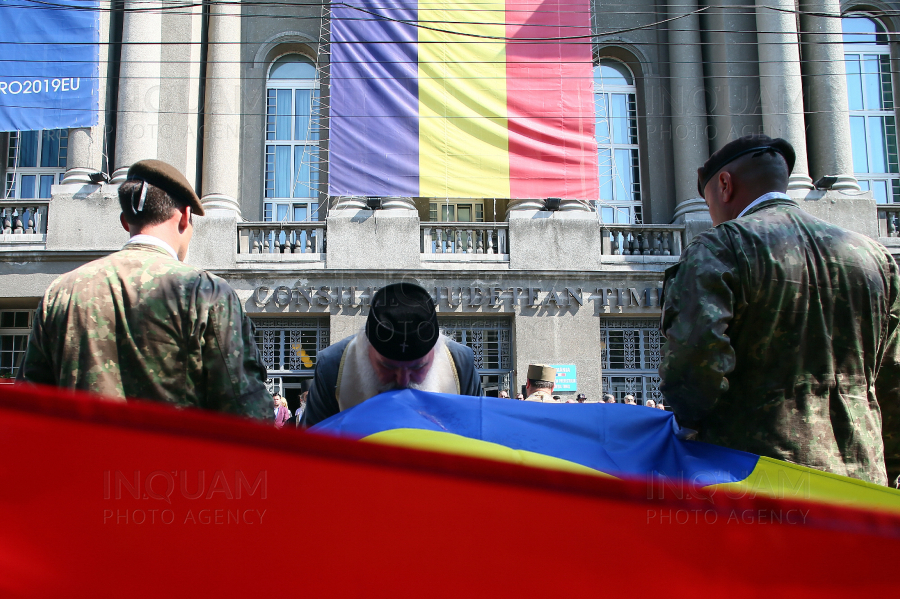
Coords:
489,498
609,440
461,99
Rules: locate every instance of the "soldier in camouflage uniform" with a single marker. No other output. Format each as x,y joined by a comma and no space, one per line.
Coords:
781,329
141,323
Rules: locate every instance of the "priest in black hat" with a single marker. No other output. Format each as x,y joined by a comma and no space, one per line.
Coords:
781,329
401,347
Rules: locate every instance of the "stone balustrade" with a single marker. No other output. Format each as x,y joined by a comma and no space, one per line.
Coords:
281,241
23,224
465,241
642,240
889,220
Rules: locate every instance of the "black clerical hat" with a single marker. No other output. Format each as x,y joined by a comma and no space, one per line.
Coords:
402,323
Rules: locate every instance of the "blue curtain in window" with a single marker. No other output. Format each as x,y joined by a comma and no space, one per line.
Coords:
46,182
283,114
26,190
50,148
306,171
282,171
28,147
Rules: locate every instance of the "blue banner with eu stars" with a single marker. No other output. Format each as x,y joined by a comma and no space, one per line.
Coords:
49,55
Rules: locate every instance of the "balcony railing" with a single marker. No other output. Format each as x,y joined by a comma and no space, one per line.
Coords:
281,241
23,224
642,240
889,220
465,241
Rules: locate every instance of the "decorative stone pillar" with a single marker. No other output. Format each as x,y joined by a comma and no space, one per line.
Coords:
138,109
781,84
80,158
222,126
828,118
689,125
359,203
523,204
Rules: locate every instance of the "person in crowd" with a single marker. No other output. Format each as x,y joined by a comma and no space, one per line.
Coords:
781,329
539,387
400,347
298,413
520,396
141,323
282,413
503,394
650,403
660,406
629,399
581,398
608,398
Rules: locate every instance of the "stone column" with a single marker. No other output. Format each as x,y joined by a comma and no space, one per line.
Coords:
828,116
781,85
689,125
87,144
538,204
138,109
81,158
222,126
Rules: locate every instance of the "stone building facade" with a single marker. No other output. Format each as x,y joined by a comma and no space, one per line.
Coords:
574,283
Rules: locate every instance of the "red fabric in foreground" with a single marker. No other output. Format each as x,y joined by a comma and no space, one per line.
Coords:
341,518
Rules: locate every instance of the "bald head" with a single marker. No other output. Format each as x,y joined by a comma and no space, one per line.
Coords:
738,183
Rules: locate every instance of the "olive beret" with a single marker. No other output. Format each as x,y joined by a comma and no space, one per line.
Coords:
167,178
402,324
740,147
541,372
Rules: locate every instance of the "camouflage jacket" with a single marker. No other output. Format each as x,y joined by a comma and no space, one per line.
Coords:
139,323
782,340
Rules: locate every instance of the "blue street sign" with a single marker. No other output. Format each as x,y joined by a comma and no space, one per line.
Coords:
566,379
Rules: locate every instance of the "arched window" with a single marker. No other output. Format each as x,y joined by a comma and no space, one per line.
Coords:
292,140
873,129
617,143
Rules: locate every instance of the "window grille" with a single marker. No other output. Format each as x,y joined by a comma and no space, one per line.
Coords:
291,345
15,326
632,350
491,341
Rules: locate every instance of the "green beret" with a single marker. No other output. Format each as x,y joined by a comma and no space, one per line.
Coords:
166,177
755,144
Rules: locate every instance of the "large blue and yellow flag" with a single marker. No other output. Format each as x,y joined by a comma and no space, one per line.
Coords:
617,440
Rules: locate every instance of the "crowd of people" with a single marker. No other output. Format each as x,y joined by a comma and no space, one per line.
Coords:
628,399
